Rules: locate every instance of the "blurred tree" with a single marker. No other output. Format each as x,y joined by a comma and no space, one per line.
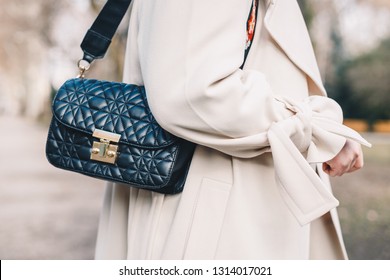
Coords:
361,85
337,85
368,78
25,38
321,19
357,81
40,47
307,11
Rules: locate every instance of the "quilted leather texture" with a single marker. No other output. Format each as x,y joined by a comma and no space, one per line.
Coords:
86,104
148,158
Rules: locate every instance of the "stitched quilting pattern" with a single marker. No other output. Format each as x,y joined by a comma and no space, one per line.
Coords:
114,107
147,153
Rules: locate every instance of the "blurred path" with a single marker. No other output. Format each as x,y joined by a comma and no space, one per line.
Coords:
365,202
45,213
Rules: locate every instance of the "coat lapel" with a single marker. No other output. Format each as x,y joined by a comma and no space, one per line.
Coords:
285,23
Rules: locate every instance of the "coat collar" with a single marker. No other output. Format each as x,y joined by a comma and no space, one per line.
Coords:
285,24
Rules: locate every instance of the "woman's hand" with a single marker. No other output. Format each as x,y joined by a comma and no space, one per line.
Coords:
349,159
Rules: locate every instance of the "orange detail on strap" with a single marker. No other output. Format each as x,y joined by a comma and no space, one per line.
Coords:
251,24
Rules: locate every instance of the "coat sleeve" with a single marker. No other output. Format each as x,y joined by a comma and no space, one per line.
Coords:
190,53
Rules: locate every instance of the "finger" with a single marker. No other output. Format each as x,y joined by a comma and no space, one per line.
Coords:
349,159
349,165
358,163
326,167
340,166
331,170
352,166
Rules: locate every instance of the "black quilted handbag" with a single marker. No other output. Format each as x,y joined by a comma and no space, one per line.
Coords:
106,130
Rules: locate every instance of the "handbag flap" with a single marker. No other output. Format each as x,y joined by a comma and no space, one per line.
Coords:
88,104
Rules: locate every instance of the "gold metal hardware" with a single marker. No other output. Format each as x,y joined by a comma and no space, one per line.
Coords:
104,150
83,66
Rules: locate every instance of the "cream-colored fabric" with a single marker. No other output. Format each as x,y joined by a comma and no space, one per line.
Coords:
251,192
317,120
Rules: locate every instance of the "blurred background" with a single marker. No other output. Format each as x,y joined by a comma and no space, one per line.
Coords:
46,213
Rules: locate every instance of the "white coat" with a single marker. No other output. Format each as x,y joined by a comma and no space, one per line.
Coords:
255,189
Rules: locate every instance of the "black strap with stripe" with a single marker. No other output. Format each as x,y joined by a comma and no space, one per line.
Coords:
98,37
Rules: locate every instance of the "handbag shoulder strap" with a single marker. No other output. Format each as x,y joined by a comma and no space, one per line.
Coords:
98,38
250,28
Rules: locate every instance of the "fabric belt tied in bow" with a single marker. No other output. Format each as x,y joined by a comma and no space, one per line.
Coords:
317,123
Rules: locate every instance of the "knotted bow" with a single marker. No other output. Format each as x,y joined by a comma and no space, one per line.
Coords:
317,129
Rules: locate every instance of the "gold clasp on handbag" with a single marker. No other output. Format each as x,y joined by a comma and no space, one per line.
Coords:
104,150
